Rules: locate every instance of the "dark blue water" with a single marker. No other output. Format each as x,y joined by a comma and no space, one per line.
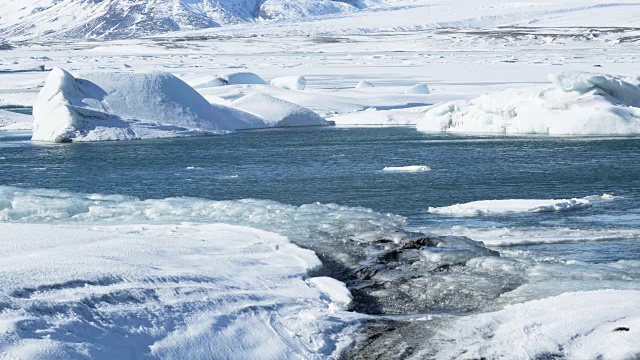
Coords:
344,166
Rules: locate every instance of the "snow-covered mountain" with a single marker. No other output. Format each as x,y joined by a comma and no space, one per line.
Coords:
118,19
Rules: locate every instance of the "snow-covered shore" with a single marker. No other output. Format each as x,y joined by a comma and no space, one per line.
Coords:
164,291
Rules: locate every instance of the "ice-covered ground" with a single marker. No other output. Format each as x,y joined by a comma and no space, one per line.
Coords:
164,291
581,325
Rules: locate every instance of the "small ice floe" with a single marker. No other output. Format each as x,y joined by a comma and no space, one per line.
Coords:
290,82
516,206
603,197
193,168
418,89
364,84
413,168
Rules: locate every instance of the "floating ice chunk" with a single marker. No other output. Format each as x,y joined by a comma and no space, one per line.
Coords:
290,82
276,112
511,206
577,104
364,84
121,106
412,168
580,325
603,197
418,89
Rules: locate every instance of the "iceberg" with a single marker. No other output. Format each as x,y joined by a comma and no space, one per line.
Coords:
418,89
290,82
123,106
578,103
277,112
364,84
235,78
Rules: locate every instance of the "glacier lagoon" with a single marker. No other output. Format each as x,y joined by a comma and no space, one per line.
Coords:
375,230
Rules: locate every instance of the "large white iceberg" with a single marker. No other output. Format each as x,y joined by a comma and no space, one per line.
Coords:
277,112
120,106
578,103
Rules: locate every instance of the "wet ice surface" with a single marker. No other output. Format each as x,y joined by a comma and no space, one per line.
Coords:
395,256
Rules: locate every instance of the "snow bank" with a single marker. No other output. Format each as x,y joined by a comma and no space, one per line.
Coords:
290,82
122,106
235,78
413,168
276,112
512,206
581,325
418,89
14,121
577,104
164,291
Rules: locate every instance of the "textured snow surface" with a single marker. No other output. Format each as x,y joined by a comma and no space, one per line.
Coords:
515,206
277,112
163,291
124,106
579,103
581,325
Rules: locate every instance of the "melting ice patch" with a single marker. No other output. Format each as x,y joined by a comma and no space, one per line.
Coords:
504,236
164,291
517,206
